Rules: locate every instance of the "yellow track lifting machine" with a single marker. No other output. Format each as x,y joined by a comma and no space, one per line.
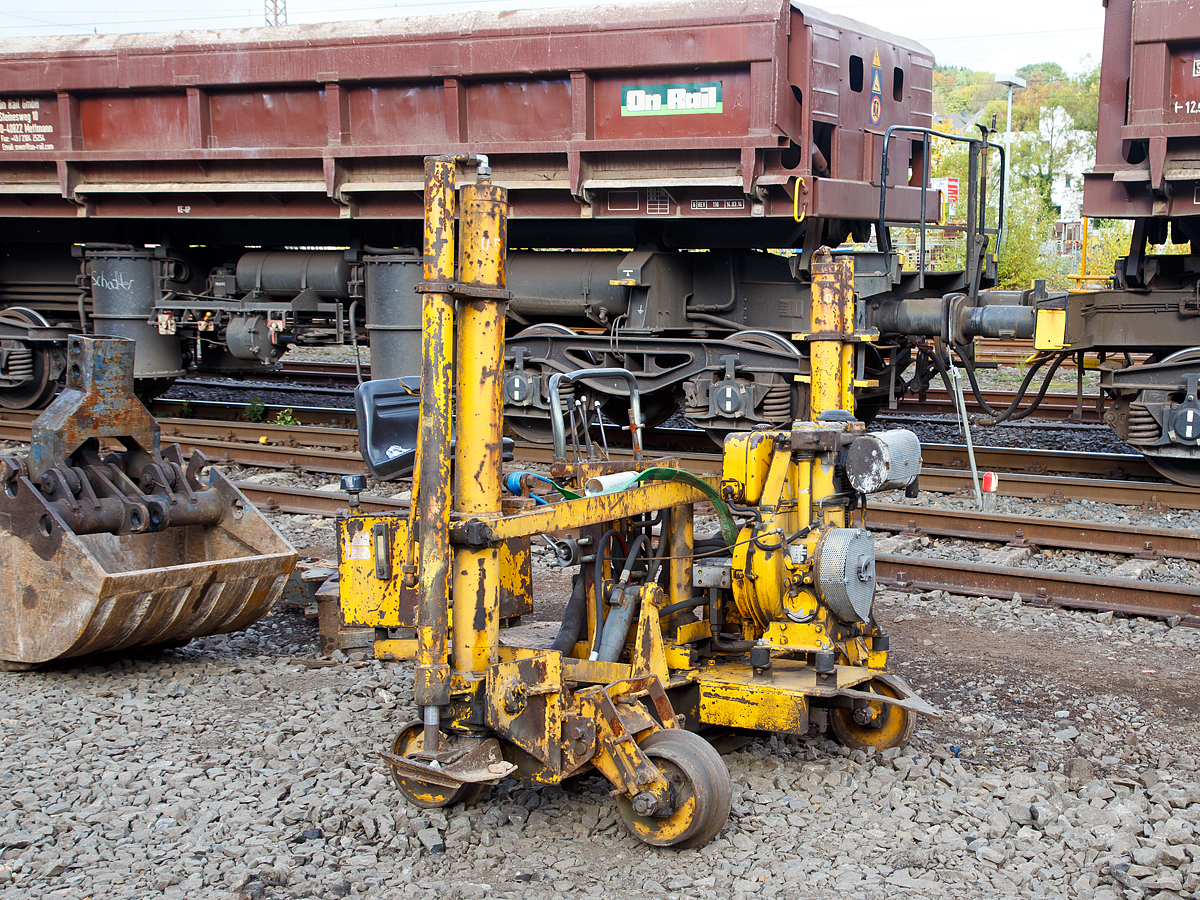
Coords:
765,626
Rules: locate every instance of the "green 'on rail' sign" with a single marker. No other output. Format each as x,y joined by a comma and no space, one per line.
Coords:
671,99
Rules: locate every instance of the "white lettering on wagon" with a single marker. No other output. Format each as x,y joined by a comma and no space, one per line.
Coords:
21,126
671,99
114,281
718,204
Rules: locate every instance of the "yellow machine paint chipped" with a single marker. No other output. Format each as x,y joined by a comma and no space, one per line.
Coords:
765,625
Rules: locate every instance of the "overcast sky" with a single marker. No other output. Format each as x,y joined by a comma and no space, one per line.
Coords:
995,37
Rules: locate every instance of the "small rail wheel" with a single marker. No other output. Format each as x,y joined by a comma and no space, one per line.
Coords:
421,793
700,787
878,725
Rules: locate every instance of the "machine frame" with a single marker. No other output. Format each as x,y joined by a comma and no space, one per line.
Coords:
641,671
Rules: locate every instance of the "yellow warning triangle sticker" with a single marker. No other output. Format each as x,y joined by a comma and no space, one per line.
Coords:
875,61
876,86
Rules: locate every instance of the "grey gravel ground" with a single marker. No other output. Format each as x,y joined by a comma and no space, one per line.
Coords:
1064,765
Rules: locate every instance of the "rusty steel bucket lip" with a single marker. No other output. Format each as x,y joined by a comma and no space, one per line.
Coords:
102,609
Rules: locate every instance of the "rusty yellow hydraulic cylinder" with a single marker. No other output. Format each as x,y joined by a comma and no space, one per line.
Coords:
479,449
680,524
832,318
832,357
848,348
432,677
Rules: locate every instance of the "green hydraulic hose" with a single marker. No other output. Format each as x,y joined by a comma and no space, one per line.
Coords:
729,529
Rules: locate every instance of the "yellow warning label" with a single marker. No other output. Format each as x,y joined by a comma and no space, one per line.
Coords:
876,84
875,61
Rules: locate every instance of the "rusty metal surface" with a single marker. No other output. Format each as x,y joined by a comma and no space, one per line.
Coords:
465,761
128,550
93,405
367,600
69,595
1073,535
638,500
478,453
1149,114
432,488
618,723
1141,598
334,120
525,705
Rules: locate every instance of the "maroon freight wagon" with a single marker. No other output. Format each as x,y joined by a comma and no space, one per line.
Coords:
186,171
1148,170
675,115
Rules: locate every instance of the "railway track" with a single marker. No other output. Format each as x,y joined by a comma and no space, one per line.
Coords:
1055,476
333,451
337,378
908,573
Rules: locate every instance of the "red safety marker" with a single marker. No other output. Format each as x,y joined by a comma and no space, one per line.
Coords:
990,482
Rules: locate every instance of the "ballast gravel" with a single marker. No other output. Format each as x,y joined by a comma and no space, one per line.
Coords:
1064,766
242,766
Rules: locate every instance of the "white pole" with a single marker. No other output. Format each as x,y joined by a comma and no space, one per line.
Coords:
1008,135
960,405
1011,81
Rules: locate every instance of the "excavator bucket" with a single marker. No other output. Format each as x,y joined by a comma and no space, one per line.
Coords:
129,549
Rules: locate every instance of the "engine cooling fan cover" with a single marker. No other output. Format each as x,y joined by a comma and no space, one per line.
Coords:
884,461
846,572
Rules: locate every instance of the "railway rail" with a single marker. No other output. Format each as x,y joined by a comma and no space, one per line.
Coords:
907,573
1032,474
334,451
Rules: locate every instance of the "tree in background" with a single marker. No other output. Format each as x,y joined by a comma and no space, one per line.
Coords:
960,90
1108,240
1054,119
1055,116
1024,253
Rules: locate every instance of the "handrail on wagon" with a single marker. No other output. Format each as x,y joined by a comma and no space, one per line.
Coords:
976,200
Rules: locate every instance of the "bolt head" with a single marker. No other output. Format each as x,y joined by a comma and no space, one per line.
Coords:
644,804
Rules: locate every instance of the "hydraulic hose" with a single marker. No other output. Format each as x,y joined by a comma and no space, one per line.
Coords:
1007,414
656,563
631,557
716,620
731,646
512,483
573,618
729,529
598,590
680,606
